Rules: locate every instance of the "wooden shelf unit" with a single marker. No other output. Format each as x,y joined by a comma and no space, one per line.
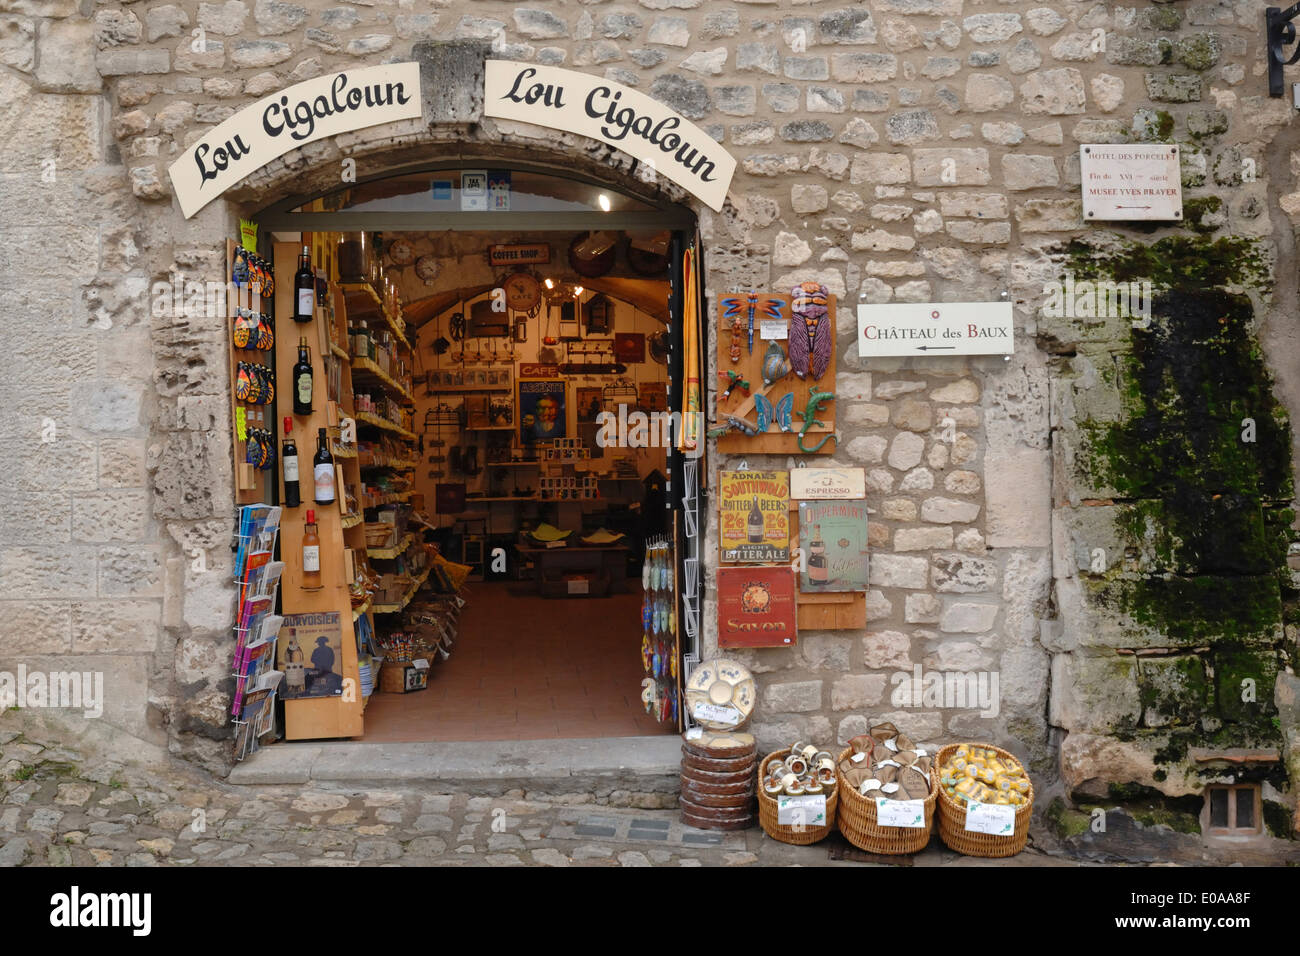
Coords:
326,717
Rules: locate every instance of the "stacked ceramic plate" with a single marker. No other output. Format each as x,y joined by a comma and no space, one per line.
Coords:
719,763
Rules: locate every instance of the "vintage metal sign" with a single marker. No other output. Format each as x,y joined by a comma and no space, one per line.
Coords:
1122,181
615,114
821,484
833,536
935,328
756,607
297,115
755,516
522,254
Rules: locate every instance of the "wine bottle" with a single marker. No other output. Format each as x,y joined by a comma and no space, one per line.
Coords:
817,567
302,380
323,470
304,289
754,526
292,494
310,553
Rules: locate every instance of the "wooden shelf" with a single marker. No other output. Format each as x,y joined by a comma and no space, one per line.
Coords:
489,428
397,464
365,370
389,554
340,352
361,291
366,418
406,599
469,500
463,389
513,464
394,499
351,521
342,452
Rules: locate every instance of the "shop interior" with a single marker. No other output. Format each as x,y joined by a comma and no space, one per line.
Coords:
510,454
506,549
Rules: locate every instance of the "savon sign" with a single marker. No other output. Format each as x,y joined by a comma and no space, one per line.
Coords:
615,114
295,116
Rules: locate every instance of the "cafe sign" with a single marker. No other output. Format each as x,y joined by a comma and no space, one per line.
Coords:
935,328
295,116
592,106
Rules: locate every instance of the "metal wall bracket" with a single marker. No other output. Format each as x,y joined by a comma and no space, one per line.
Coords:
1279,34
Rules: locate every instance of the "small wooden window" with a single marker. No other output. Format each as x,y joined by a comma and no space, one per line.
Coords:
1232,810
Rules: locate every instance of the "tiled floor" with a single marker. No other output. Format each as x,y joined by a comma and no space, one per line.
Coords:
528,668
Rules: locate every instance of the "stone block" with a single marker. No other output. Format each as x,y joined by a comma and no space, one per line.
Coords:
883,650
792,697
880,169
951,167
116,626
1056,92
1029,172
863,67
1018,492
922,539
949,511
956,573
899,571
857,691
1095,693
963,617
120,516
48,572
35,627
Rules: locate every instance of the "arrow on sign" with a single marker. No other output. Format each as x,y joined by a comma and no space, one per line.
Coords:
1132,207
926,348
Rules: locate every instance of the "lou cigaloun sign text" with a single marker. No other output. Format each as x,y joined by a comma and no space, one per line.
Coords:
615,114
295,116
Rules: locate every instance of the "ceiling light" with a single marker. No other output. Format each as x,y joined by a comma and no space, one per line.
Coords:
604,202
550,284
577,291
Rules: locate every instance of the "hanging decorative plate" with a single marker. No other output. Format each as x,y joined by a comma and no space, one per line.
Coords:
645,263
401,252
720,694
523,292
427,268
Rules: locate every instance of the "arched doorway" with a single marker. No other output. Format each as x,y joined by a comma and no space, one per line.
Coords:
471,324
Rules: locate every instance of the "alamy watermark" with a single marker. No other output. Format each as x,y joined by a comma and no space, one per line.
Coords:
53,690
638,429
1097,299
957,690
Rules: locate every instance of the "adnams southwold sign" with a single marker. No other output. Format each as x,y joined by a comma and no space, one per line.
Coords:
295,116
618,115
935,328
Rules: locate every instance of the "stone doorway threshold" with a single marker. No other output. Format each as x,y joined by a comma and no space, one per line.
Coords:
597,766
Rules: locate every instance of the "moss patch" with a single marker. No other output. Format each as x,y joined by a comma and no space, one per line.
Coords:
1203,451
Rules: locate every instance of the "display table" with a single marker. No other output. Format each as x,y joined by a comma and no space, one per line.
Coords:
606,569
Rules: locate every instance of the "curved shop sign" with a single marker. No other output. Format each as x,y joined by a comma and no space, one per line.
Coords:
293,117
615,114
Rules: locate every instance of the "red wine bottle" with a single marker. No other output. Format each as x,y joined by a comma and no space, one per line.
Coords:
292,494
304,289
323,470
302,380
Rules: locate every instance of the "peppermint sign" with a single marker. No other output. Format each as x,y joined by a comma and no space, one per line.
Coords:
615,114
297,115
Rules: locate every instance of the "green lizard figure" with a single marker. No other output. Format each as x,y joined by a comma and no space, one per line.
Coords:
816,398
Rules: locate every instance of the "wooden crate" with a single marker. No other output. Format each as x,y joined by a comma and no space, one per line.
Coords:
403,677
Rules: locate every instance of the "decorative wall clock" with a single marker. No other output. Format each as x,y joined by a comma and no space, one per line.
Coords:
401,252
427,268
523,292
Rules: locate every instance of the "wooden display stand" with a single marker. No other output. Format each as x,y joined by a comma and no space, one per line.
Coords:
750,368
316,717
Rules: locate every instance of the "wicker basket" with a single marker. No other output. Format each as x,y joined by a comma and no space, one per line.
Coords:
379,535
767,811
857,819
952,817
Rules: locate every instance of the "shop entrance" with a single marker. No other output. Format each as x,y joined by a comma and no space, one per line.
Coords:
504,363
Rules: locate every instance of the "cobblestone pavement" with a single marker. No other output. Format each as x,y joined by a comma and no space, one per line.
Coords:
63,808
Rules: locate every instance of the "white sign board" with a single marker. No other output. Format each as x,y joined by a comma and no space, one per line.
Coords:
900,813
1130,182
615,114
807,811
995,818
828,484
295,116
935,328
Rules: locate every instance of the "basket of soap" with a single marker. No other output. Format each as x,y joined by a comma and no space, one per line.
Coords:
888,790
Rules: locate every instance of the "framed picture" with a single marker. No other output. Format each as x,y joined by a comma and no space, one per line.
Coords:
754,516
570,330
591,402
653,396
599,313
756,607
629,347
833,535
543,415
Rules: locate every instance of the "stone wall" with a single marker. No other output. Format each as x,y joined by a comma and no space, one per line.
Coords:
896,150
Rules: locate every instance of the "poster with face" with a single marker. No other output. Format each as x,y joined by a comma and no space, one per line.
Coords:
542,414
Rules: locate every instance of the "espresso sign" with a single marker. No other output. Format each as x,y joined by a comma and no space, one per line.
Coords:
615,114
820,484
936,328
297,115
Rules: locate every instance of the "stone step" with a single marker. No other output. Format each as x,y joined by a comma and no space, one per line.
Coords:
597,766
